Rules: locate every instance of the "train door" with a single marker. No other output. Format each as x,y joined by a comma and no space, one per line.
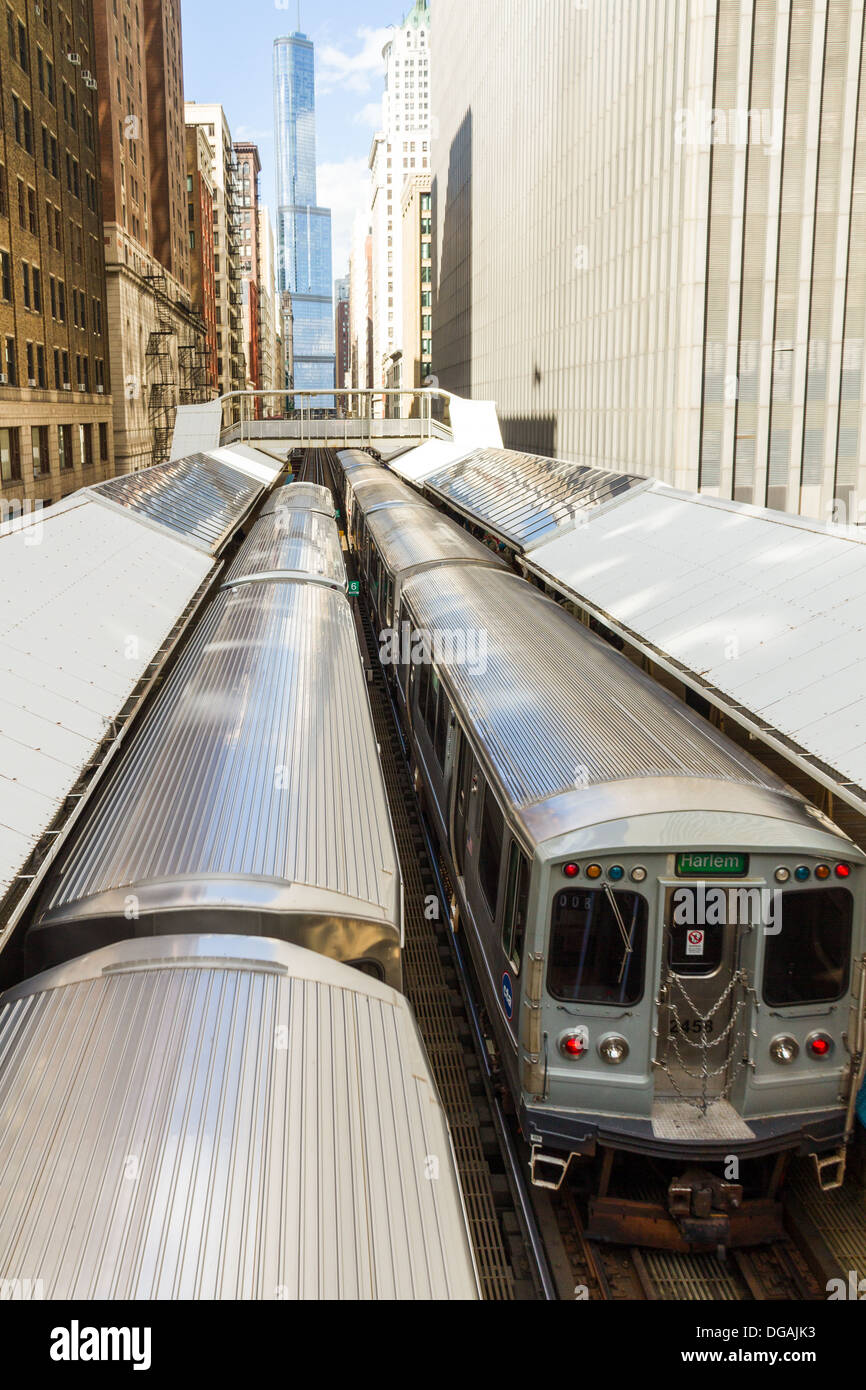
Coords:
701,997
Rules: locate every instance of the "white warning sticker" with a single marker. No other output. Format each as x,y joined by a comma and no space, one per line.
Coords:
694,943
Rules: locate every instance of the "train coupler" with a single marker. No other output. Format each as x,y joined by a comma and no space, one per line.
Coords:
701,1204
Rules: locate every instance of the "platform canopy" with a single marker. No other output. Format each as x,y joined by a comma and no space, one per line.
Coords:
90,590
762,612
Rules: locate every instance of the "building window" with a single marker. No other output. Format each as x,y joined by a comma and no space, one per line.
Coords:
11,363
103,441
25,278
6,275
64,445
85,436
40,366
10,455
39,448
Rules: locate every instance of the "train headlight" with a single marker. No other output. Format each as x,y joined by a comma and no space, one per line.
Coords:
784,1049
613,1049
819,1045
638,874
782,875
574,1044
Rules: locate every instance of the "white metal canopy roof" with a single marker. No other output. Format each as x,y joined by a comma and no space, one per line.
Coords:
765,611
88,594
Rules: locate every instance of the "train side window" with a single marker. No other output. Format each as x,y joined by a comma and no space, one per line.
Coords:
490,848
440,734
808,961
589,959
433,696
389,600
514,914
423,689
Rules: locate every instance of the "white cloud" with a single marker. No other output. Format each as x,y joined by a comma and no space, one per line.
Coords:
369,115
345,189
252,135
353,72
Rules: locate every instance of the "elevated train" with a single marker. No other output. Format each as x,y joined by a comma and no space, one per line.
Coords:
669,940
211,1085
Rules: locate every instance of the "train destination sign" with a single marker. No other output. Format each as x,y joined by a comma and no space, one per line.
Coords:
697,863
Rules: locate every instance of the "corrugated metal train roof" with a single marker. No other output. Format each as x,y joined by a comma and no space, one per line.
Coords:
296,543
553,702
255,723
156,1143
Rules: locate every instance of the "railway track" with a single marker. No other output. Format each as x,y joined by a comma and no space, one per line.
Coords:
528,1243
615,1272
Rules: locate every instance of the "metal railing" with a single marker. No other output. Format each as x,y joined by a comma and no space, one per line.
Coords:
348,416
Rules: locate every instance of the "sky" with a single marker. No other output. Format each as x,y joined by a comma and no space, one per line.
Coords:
227,57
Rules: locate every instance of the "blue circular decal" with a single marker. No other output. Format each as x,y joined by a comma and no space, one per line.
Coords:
507,995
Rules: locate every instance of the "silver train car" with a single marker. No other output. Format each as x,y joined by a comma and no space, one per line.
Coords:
669,939
252,799
300,496
204,1117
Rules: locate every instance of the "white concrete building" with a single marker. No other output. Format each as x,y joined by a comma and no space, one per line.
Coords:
649,223
361,304
402,147
271,365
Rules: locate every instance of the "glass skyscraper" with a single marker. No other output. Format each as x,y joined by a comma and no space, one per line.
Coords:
303,229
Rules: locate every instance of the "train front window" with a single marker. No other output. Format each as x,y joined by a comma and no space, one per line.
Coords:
596,952
808,960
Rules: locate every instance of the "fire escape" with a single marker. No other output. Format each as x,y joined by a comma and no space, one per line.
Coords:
161,398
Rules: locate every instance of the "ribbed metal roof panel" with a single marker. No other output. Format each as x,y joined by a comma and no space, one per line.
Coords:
198,498
407,536
300,496
265,722
555,706
525,497
767,610
155,1143
295,542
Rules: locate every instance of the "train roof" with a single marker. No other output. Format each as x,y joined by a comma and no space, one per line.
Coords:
201,498
349,459
383,490
407,537
291,544
554,706
265,721
222,1117
300,497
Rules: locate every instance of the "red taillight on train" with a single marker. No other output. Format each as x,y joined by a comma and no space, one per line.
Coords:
842,870
571,870
574,1044
819,1045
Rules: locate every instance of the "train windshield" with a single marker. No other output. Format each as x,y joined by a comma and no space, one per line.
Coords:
807,961
597,946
